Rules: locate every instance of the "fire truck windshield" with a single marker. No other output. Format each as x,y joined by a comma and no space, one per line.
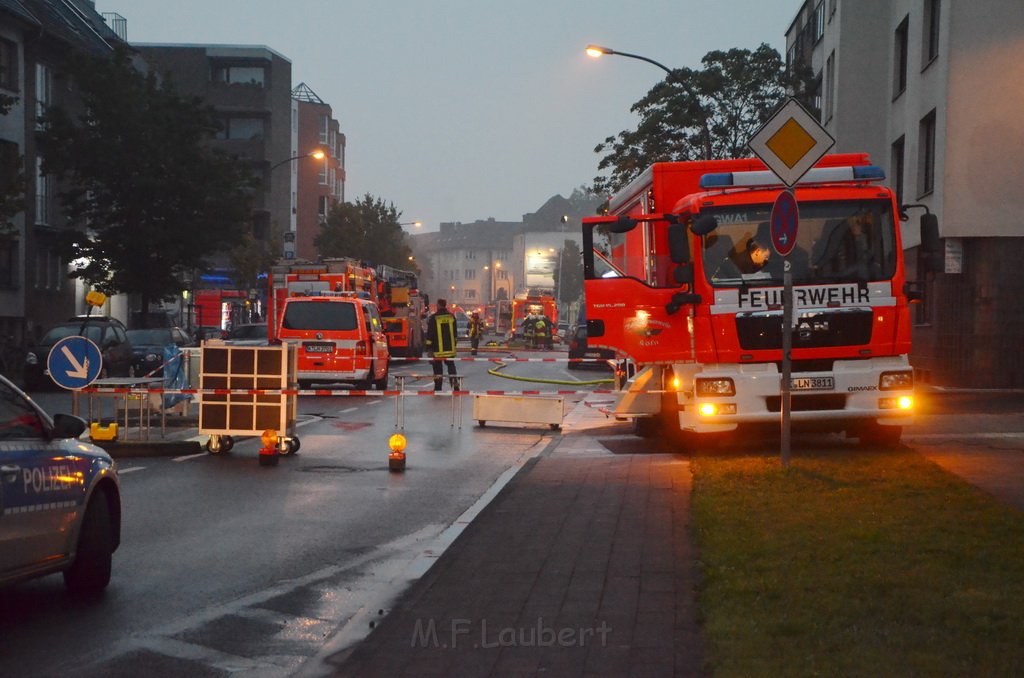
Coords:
837,241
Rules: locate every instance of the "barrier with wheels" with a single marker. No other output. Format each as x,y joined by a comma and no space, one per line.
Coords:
247,391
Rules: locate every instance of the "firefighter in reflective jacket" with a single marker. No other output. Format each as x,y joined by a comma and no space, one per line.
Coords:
441,344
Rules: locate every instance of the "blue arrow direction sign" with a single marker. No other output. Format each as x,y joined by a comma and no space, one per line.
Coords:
74,362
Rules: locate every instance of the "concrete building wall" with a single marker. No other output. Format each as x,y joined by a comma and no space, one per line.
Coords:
969,328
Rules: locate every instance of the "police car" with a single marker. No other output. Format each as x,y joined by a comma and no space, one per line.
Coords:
60,498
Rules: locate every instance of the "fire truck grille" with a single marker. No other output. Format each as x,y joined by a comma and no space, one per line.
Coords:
808,402
759,331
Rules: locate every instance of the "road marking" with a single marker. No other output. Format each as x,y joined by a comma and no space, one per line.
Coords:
133,469
191,456
351,409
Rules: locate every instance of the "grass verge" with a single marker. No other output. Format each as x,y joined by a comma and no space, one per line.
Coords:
857,563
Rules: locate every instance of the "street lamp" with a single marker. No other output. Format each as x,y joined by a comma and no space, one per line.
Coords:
415,224
597,51
318,154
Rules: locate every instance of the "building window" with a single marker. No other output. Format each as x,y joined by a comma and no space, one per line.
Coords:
469,295
816,95
322,203
44,91
470,254
899,77
325,131
49,275
830,86
831,9
239,75
42,194
819,20
470,274
323,172
8,65
926,154
896,166
931,25
242,128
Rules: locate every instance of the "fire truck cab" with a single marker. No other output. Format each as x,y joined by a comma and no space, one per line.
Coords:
690,290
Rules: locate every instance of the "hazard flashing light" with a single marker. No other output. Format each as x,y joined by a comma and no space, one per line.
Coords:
820,175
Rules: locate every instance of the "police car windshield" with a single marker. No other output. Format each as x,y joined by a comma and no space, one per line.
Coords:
320,315
92,332
837,241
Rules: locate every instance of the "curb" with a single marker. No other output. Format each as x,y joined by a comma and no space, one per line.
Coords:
129,449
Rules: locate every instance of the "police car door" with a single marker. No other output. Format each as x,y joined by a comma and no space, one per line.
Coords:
41,485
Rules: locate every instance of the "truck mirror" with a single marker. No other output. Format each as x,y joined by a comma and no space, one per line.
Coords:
931,246
622,225
704,225
678,245
683,275
930,233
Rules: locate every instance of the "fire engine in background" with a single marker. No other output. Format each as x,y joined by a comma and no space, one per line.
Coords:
354,348
534,302
687,296
215,310
402,307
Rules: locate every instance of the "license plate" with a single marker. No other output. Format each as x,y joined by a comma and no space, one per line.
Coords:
812,383
319,348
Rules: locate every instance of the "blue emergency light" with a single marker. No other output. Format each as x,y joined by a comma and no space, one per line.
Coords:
818,175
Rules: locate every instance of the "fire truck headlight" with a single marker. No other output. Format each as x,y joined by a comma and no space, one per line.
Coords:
720,386
711,409
896,381
901,403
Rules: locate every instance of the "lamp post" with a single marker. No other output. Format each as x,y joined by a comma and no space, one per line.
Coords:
415,224
317,154
597,51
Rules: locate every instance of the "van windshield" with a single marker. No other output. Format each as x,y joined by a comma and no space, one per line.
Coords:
320,315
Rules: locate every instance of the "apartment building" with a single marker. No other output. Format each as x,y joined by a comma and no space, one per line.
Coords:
316,184
250,87
36,39
931,89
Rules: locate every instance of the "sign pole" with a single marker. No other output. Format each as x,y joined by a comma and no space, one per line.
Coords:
787,366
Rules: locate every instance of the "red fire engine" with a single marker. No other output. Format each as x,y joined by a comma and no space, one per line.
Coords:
690,295
402,306
535,302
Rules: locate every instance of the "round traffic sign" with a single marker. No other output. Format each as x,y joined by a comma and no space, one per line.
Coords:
784,221
74,362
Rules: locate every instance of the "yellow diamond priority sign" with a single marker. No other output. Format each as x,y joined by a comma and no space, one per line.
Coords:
791,142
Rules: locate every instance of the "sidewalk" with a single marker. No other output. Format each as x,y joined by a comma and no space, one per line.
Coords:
583,565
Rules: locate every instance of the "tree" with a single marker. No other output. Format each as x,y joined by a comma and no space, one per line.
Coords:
146,200
569,273
700,114
367,229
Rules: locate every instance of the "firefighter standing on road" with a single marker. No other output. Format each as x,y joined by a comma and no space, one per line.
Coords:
476,329
441,344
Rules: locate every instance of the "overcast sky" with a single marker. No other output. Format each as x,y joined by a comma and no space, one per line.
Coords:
457,110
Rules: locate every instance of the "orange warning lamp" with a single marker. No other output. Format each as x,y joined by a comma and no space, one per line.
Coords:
396,460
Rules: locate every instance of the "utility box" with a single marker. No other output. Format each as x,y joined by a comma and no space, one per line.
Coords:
537,410
237,370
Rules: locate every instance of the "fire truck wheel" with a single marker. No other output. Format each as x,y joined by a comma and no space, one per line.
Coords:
876,435
382,383
645,427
